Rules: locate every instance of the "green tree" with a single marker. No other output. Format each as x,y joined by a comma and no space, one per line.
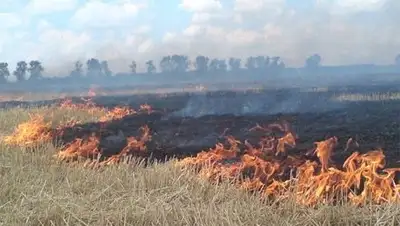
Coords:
174,63
166,64
276,65
78,71
4,72
35,69
133,67
93,67
251,63
313,62
105,68
218,65
180,63
234,63
20,71
150,67
201,64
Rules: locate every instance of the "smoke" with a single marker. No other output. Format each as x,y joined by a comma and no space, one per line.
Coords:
340,33
250,103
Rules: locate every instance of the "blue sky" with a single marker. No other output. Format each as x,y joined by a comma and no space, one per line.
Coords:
59,32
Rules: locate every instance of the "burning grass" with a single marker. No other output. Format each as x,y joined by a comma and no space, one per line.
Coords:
39,190
30,133
360,180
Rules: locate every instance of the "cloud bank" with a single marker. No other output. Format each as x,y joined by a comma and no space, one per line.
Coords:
59,32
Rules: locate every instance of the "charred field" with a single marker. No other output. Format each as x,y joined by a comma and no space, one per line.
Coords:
260,135
185,124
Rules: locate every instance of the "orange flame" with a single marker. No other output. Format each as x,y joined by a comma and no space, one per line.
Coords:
258,169
117,113
30,133
80,148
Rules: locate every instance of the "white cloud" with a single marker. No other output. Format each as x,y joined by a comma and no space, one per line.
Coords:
43,25
100,14
145,46
364,5
60,48
256,5
64,41
50,6
201,5
352,6
266,6
143,29
169,36
10,20
205,17
193,30
241,37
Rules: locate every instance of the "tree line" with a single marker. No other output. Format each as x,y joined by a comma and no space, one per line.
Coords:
168,64
34,68
180,64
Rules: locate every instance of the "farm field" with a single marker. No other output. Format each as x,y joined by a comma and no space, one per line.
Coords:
277,157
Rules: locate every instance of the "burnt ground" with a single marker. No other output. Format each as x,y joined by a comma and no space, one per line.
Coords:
181,127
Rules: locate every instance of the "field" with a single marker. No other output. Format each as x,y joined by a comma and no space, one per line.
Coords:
50,177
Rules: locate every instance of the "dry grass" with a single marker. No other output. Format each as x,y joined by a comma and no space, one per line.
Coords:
36,190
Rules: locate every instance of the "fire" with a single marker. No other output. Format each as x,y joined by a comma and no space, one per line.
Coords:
117,113
80,148
30,133
275,167
37,130
324,151
87,105
360,180
91,92
146,108
90,149
133,146
107,114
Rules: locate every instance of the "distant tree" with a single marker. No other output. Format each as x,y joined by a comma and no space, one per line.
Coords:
267,62
78,71
20,71
185,63
213,66
313,62
234,63
174,63
397,60
222,66
133,67
180,63
251,63
281,66
261,62
4,72
35,69
105,69
201,64
218,65
276,65
166,64
94,67
150,67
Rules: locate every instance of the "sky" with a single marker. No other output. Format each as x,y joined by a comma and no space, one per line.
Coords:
60,32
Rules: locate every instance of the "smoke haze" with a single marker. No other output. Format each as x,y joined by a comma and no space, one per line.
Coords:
343,32
278,44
